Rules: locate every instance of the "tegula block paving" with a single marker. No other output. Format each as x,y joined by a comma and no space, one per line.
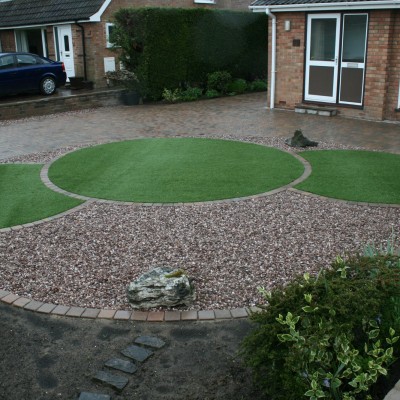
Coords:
106,314
139,315
21,302
122,315
60,310
172,316
46,308
10,298
155,316
91,313
150,341
239,313
189,315
137,353
222,314
121,365
206,315
4,293
75,312
93,396
117,382
34,305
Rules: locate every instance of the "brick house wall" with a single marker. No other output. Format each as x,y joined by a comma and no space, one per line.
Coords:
382,67
7,39
394,70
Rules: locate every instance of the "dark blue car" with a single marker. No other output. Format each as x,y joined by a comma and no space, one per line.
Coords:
26,72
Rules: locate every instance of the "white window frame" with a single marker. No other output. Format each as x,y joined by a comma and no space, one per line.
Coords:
398,99
205,1
108,43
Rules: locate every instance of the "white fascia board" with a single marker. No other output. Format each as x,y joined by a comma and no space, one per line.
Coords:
97,17
359,5
43,25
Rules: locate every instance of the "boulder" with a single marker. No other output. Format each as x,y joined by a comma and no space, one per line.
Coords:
299,140
161,287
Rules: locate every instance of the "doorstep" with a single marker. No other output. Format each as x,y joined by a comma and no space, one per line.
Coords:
315,110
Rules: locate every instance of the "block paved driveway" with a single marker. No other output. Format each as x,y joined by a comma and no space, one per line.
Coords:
238,116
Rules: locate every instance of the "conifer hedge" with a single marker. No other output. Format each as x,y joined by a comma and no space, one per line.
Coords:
171,47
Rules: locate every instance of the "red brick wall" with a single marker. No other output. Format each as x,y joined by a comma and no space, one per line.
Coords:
289,59
7,40
382,71
394,70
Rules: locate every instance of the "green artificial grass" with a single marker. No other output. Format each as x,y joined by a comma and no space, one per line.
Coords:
362,176
24,198
170,170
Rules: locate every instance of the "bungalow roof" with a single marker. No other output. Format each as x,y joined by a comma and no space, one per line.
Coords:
14,13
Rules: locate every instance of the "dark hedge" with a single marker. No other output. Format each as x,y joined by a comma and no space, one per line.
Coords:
170,47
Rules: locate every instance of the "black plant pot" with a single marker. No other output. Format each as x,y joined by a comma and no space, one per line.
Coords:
130,98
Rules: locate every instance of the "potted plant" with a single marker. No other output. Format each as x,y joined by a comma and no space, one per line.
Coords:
129,81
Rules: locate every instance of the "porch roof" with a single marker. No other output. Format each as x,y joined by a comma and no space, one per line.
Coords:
312,5
15,13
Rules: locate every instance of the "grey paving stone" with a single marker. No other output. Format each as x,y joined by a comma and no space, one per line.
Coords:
93,396
121,365
137,353
115,381
150,341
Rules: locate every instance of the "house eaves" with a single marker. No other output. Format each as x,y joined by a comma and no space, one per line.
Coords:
28,13
313,5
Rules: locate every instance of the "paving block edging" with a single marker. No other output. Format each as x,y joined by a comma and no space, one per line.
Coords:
124,315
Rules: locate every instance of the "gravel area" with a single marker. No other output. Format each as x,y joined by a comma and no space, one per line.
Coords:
88,257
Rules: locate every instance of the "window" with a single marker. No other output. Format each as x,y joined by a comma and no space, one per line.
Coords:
205,1
6,62
109,30
26,60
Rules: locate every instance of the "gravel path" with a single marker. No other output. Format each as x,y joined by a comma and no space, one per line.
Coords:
88,257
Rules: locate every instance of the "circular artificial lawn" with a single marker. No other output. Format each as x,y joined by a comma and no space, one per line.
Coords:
363,176
171,170
24,198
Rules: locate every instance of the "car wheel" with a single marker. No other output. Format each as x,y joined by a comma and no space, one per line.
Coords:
48,86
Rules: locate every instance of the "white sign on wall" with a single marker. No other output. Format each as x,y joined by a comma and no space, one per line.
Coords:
109,64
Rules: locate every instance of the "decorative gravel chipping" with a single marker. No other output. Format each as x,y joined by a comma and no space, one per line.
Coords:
88,257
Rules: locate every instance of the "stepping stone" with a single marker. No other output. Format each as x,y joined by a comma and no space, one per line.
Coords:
121,365
150,341
137,353
115,381
93,396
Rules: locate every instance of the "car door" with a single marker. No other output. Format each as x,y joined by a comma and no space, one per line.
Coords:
9,78
30,71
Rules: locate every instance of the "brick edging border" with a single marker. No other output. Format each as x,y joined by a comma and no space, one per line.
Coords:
123,315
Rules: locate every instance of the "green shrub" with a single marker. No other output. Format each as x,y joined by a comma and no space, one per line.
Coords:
191,94
172,96
194,42
219,81
258,86
211,94
329,336
238,86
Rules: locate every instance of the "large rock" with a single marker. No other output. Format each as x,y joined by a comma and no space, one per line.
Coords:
299,140
161,287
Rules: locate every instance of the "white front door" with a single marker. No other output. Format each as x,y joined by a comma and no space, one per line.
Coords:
63,35
323,33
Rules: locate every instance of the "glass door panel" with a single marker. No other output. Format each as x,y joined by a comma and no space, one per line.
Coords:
322,57
353,58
